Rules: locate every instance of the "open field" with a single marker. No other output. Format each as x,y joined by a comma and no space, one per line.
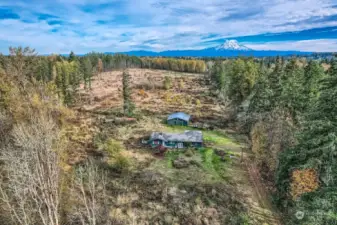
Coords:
150,95
150,190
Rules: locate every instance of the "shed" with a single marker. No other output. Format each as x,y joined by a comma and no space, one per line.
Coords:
177,140
178,118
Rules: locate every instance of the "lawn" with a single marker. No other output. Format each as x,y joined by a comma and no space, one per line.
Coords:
214,138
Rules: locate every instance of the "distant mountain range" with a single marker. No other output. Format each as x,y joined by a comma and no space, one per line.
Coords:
230,48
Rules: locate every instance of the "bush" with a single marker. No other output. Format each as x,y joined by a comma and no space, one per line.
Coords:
189,152
167,83
142,93
121,162
115,157
181,84
113,147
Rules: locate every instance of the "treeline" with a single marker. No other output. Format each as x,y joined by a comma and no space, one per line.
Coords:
118,61
69,72
179,65
288,107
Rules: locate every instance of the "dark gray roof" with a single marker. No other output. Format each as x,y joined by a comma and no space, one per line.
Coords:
179,115
187,136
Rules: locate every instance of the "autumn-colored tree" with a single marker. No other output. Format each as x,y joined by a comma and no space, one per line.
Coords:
200,67
191,66
100,66
303,181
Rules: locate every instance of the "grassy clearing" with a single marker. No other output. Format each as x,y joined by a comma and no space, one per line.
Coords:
213,164
170,156
204,165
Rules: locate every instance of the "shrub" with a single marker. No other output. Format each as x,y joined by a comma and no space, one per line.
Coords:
168,97
181,84
197,102
142,93
167,82
113,147
189,152
121,162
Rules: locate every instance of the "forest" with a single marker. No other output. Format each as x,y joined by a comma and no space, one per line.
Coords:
288,109
285,106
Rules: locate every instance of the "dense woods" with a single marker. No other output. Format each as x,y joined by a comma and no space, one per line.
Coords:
287,107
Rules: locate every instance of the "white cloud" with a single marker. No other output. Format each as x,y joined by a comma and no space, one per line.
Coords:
319,45
162,20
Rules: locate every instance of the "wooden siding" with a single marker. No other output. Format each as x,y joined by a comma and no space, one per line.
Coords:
178,122
155,143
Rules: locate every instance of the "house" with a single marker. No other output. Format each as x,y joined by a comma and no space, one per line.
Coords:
177,140
178,118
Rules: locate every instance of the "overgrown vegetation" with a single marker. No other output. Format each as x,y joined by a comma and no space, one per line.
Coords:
37,138
288,107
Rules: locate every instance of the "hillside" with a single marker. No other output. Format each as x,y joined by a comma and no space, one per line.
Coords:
83,146
207,191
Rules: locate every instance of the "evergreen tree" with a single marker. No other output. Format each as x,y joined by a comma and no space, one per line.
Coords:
274,82
128,105
317,150
100,66
218,75
243,74
292,99
72,56
68,78
260,102
313,73
87,72
43,70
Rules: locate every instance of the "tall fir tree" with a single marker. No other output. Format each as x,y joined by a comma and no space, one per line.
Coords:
128,105
87,72
292,99
72,56
317,150
274,82
313,72
100,66
260,102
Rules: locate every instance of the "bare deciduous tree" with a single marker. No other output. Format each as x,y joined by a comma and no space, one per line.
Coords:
21,64
30,186
89,187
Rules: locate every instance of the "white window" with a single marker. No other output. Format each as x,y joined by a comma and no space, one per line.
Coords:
180,145
156,142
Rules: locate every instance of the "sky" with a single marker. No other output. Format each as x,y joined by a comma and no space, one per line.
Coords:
82,26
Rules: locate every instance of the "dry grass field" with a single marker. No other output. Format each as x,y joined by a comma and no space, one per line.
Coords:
148,189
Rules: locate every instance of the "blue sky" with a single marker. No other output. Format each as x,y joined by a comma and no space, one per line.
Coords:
60,26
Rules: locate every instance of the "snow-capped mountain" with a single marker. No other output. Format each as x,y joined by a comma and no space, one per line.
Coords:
231,48
232,45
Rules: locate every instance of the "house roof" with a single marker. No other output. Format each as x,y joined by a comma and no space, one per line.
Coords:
179,115
186,136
